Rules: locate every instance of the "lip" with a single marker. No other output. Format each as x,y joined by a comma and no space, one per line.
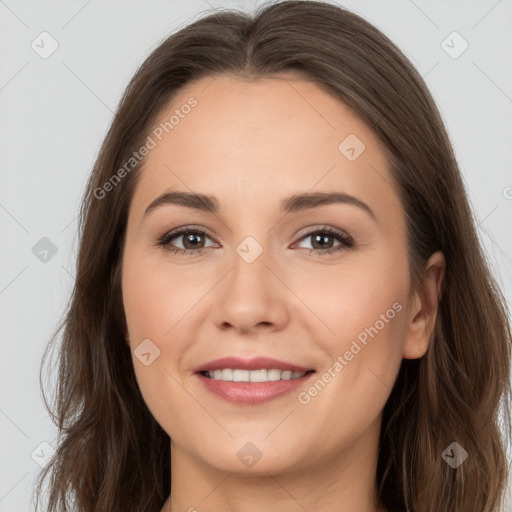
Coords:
251,393
255,363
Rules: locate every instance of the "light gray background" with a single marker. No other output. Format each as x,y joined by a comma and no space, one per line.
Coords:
55,112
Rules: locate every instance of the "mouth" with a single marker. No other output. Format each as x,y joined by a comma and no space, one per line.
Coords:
250,382
261,375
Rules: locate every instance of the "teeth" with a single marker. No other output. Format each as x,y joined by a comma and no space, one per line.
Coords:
263,375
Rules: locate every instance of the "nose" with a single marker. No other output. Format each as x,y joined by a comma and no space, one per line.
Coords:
252,298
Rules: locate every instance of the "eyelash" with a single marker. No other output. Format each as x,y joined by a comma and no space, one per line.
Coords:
346,242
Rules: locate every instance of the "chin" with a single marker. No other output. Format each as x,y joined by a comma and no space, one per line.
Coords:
249,458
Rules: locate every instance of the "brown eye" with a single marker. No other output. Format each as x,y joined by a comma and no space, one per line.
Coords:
193,240
324,238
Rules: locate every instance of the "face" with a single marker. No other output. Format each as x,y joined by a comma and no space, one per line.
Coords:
318,285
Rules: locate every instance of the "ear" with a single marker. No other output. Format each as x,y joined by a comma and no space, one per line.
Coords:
424,307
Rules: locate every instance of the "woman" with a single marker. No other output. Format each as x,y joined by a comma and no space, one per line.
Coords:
212,361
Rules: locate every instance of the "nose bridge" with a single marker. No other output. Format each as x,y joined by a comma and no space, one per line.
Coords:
250,262
249,279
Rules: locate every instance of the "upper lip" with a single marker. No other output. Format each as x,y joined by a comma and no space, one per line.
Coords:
255,363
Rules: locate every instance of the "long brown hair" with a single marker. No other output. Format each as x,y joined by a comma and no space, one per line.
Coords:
113,455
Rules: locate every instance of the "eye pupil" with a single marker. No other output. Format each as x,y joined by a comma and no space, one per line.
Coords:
320,237
190,239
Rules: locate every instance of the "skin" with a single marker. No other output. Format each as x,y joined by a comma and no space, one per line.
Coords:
251,144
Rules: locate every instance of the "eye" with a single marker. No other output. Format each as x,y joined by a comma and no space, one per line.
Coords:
193,241
323,239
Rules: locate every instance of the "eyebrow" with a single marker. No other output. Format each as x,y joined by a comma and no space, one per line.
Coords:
295,203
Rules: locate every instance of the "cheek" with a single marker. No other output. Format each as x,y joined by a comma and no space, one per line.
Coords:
149,305
356,296
159,306
156,301
364,314
364,358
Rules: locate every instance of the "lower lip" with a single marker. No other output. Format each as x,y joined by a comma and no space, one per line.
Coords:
251,393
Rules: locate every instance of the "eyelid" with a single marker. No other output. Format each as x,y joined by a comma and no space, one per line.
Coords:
309,230
182,230
343,237
345,241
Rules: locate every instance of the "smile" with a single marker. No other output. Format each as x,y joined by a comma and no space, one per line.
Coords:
244,387
263,375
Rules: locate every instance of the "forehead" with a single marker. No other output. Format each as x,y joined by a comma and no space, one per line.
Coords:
235,112
249,140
